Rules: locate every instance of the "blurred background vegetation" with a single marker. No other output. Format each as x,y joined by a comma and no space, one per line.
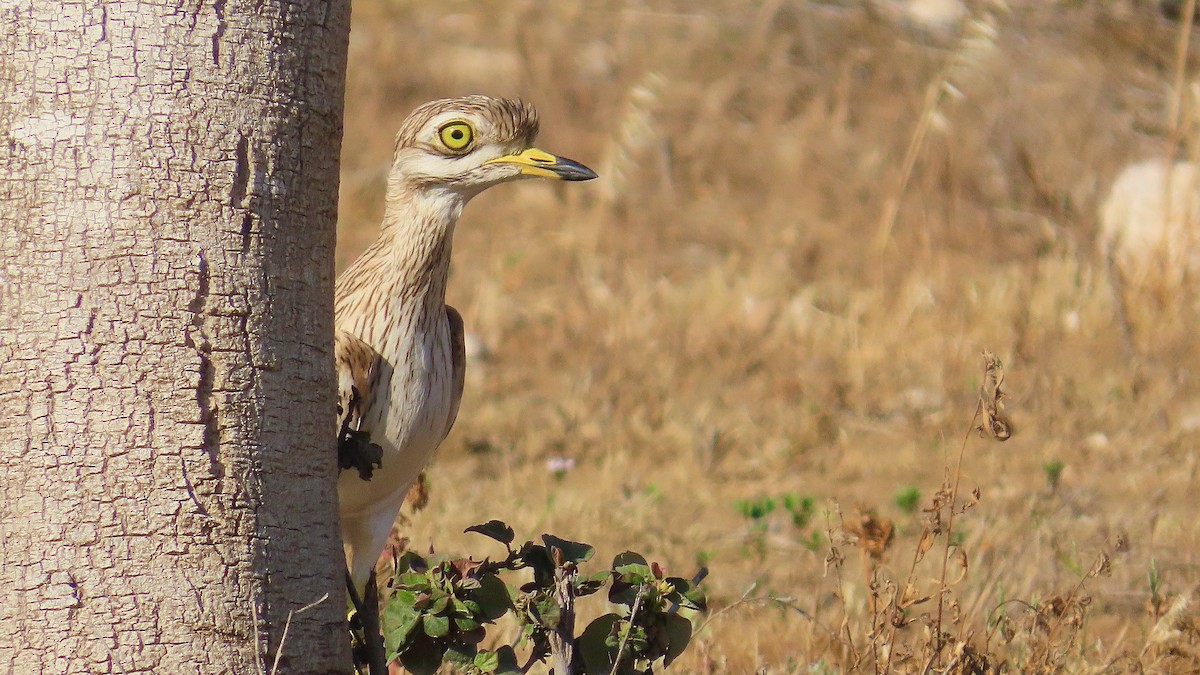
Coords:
761,328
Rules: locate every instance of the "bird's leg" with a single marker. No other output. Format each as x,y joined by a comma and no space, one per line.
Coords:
372,635
358,647
369,652
353,593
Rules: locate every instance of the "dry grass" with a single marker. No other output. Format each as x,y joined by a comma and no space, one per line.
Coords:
779,289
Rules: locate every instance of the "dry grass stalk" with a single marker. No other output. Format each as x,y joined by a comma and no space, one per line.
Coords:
636,132
974,47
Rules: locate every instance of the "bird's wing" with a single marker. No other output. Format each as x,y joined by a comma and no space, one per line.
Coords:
458,363
355,362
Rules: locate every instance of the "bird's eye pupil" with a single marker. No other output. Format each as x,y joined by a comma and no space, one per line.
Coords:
457,134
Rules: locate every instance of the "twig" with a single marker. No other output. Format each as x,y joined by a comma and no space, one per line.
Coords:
637,604
918,554
782,602
1101,563
288,624
1181,51
835,557
891,209
937,639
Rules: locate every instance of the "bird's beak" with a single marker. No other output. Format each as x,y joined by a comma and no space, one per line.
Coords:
534,162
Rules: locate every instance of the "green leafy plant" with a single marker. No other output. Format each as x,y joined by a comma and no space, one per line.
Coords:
908,499
755,509
800,508
440,608
647,626
1053,469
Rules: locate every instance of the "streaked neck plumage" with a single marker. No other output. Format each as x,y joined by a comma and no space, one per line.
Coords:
420,226
409,262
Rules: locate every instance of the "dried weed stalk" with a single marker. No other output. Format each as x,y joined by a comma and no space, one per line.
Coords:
946,641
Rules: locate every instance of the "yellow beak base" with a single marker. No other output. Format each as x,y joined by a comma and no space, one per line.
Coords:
535,162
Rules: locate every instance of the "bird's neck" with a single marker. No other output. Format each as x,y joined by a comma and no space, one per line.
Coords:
417,233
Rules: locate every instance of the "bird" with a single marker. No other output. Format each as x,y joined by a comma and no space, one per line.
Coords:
399,350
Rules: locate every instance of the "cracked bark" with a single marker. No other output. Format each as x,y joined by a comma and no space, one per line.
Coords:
168,186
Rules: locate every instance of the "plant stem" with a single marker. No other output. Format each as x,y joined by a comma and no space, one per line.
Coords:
637,604
562,640
937,638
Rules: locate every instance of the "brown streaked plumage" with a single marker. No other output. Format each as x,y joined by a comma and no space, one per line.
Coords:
399,348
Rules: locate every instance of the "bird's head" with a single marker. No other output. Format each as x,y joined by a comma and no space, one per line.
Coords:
466,145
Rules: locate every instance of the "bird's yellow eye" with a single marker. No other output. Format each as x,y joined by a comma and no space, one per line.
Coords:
456,135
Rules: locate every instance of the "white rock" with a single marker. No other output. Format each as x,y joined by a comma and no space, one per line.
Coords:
1150,221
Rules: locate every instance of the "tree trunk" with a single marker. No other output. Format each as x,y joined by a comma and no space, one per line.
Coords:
168,187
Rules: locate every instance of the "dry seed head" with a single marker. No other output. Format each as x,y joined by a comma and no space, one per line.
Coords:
1121,545
833,559
924,544
418,495
909,597
874,533
635,132
1102,567
975,48
991,400
1179,620
961,557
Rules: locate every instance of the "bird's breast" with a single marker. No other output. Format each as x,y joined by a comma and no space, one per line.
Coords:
407,417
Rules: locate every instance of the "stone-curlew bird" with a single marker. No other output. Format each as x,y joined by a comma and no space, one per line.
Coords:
398,346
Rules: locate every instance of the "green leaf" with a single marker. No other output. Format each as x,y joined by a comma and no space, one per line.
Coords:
493,598
507,661
435,625
538,558
586,585
622,592
597,655
470,608
423,657
413,581
472,637
548,611
696,598
679,633
458,609
678,584
403,596
572,551
398,623
632,567
487,661
637,642
465,624
441,601
685,593
461,655
411,561
496,529
422,600
629,558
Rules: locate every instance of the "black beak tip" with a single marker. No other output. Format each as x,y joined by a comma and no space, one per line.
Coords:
571,170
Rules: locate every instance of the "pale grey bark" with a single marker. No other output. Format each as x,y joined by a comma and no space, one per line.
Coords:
168,185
